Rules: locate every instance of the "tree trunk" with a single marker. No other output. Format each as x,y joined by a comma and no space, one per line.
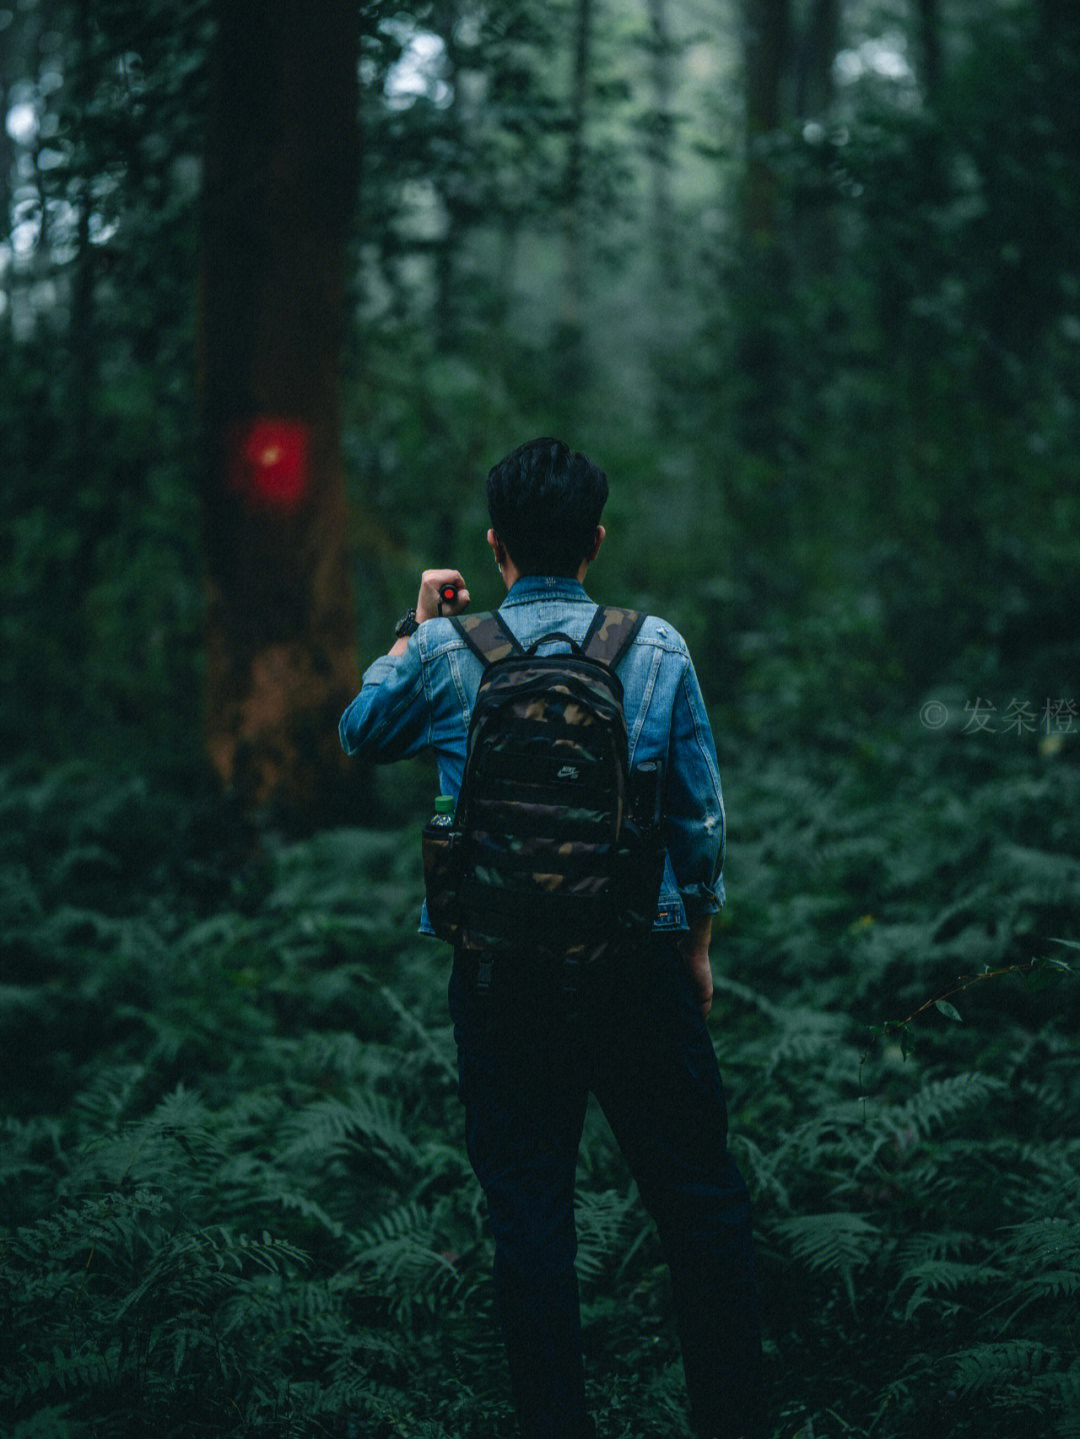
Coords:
817,54
570,341
930,38
765,47
814,211
760,351
83,387
281,173
660,137
7,167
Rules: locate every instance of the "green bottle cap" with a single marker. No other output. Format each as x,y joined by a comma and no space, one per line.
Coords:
445,804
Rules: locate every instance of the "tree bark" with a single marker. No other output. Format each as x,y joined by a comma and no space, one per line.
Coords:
760,354
83,387
930,39
817,54
571,336
814,210
766,29
7,167
281,173
660,137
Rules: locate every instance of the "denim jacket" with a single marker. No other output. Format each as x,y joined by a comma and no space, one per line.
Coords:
423,699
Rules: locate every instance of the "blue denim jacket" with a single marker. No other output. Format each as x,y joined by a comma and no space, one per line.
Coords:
423,699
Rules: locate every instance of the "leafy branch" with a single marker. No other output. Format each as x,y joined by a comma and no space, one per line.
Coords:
942,1002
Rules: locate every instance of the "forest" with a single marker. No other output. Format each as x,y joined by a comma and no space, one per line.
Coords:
279,282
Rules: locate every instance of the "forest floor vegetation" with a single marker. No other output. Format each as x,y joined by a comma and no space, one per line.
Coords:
234,1194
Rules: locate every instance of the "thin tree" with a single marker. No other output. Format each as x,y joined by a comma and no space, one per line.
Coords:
571,336
661,134
766,35
281,171
815,95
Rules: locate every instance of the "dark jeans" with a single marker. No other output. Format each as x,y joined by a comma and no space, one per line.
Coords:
640,1043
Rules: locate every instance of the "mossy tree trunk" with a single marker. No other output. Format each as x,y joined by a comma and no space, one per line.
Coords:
281,173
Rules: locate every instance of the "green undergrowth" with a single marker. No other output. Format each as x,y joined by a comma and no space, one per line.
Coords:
234,1196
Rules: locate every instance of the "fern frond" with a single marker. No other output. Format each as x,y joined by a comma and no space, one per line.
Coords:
942,1100
834,1241
404,1257
50,1421
84,1368
600,1219
839,1243
1014,1362
935,1276
361,1122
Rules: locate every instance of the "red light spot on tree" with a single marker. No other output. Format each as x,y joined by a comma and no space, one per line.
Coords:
270,462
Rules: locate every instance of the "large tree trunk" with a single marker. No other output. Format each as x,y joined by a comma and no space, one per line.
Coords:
281,172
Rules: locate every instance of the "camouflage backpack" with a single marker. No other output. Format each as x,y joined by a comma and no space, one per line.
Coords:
555,854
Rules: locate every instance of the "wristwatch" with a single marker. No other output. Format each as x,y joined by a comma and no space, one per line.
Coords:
407,625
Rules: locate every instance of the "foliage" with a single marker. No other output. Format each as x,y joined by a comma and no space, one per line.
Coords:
908,515
234,1188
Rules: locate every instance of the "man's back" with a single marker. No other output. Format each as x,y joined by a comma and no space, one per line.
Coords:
425,698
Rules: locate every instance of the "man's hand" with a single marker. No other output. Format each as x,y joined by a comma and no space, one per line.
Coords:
696,955
428,602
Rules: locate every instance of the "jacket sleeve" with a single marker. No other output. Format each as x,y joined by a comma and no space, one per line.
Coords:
390,718
693,803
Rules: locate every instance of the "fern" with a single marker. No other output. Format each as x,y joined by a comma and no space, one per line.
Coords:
361,1123
50,1421
935,1277
1013,1366
404,1257
238,1177
600,1220
838,1241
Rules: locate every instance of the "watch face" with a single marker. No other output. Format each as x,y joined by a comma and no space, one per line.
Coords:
406,625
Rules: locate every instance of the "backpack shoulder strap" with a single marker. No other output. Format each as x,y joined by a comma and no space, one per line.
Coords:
611,634
488,636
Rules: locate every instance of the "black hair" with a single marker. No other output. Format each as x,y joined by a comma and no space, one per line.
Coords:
545,502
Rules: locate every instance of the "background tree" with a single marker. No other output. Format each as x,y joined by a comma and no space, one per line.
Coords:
766,41
570,335
281,168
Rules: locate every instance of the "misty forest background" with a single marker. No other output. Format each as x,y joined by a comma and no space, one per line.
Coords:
278,283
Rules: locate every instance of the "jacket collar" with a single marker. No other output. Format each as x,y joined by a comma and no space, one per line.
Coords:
530,588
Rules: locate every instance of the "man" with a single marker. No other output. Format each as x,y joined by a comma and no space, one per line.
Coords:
637,1037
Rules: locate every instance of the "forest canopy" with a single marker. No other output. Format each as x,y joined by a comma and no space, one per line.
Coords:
803,276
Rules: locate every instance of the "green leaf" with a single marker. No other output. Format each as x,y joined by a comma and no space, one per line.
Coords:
950,1011
907,1042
